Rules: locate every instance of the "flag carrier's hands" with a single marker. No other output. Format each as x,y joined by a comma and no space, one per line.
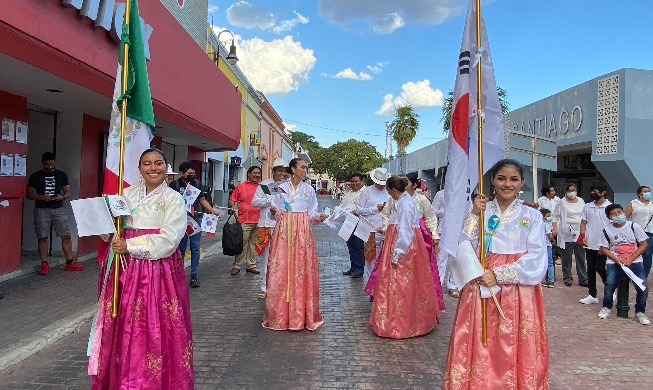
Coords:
480,202
119,246
323,217
487,279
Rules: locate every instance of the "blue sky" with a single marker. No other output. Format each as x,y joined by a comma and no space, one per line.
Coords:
329,66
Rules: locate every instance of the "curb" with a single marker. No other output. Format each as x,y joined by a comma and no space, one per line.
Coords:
45,337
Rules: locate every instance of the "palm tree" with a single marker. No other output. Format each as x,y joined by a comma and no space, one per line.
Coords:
447,105
404,127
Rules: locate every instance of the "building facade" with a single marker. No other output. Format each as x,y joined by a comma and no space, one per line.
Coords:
59,61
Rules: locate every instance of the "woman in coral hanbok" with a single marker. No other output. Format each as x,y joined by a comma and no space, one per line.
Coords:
293,290
405,303
517,353
149,344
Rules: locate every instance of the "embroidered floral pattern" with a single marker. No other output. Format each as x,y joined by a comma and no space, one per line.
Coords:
171,310
138,248
160,206
154,364
470,225
187,358
137,310
525,222
506,274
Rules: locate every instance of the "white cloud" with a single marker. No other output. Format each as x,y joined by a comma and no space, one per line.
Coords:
243,14
385,16
378,68
287,25
350,74
213,8
273,67
389,24
290,126
419,95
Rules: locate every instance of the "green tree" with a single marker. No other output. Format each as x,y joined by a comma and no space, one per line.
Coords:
404,127
308,142
447,106
342,159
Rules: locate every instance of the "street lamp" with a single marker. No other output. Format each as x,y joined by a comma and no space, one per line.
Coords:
231,58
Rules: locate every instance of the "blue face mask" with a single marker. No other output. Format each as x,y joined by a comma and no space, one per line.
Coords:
647,196
549,219
619,219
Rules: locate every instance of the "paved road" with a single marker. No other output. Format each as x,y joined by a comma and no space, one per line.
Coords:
232,350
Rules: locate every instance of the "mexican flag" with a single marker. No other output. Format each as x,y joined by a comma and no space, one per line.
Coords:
140,115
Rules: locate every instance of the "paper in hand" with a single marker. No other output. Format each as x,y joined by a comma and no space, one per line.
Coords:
636,279
348,227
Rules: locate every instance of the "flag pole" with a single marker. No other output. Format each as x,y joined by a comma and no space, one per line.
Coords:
121,165
479,118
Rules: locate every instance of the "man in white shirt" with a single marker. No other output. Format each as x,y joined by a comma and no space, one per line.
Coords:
549,201
593,221
354,244
266,222
370,204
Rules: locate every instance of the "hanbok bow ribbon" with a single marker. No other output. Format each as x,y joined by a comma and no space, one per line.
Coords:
492,226
286,205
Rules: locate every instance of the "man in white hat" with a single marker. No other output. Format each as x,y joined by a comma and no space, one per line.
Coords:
266,222
170,175
369,206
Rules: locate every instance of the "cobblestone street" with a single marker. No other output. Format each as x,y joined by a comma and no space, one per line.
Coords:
232,350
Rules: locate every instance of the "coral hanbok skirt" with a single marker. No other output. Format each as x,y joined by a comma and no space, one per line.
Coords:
405,303
149,344
517,352
432,251
293,284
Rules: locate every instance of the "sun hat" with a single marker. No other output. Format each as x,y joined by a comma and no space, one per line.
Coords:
170,172
379,175
279,162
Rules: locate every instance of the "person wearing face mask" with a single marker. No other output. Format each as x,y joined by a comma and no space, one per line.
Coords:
566,228
187,172
640,211
550,271
623,243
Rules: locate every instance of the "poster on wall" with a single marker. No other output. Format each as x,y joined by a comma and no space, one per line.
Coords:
20,165
21,132
6,164
8,126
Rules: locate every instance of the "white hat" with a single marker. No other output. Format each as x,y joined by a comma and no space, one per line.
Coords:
279,162
379,175
170,172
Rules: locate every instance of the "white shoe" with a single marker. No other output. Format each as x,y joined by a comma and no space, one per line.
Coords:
614,297
588,299
604,313
642,318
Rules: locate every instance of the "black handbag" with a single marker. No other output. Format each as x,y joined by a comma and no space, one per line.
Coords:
232,237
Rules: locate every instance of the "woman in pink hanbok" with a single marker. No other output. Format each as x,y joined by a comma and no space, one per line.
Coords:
293,290
517,353
405,302
149,344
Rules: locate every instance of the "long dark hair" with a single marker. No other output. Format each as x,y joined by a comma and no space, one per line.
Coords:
293,164
504,163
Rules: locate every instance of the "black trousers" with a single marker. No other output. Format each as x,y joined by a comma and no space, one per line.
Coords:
596,265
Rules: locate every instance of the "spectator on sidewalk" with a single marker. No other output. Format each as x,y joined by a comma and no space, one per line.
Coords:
640,211
170,175
369,206
293,301
248,216
594,220
623,242
266,222
48,188
187,172
548,200
355,245
567,217
550,271
149,345
405,301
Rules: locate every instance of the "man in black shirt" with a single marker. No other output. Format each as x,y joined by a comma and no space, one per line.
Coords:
49,187
187,172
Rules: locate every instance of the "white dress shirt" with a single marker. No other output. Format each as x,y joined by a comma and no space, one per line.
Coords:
369,198
438,208
350,199
596,222
404,214
264,201
549,204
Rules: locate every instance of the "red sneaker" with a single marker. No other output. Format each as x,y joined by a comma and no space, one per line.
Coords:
45,268
73,266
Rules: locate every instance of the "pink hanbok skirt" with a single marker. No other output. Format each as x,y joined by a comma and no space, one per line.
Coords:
432,251
517,352
405,303
293,299
149,344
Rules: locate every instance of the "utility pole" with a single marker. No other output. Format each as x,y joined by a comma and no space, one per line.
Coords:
388,140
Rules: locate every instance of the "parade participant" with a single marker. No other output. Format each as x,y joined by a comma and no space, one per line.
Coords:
187,178
640,211
369,206
266,222
517,351
567,216
354,244
170,175
442,257
428,223
293,300
248,216
149,344
623,243
405,302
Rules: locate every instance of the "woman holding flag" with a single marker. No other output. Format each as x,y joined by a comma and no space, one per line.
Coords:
293,288
149,344
517,353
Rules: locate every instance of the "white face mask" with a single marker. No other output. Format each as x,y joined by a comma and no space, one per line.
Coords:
571,195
